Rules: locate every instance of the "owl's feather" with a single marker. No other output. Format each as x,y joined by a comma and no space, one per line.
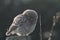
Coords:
23,24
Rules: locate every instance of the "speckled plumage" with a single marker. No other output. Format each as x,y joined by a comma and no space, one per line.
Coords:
23,24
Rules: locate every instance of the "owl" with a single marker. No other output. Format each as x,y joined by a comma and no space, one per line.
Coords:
23,24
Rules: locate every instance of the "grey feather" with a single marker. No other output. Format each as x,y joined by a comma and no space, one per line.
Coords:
24,24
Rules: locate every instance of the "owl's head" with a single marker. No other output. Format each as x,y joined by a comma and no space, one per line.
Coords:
30,13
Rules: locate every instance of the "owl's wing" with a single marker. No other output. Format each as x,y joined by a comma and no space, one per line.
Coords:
19,20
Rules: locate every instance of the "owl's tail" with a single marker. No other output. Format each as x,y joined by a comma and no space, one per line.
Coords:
11,30
8,33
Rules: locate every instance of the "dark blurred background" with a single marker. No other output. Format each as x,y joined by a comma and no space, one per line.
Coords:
46,8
